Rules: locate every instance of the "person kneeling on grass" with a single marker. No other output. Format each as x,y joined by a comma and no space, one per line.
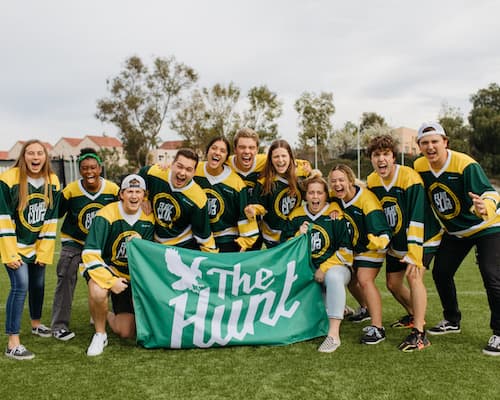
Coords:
105,264
331,251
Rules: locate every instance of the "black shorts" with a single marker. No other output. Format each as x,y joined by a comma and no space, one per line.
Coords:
122,302
392,264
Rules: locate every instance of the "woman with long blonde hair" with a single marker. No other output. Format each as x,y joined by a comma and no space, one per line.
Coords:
29,193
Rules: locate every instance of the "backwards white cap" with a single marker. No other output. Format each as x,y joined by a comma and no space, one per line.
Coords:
133,181
431,128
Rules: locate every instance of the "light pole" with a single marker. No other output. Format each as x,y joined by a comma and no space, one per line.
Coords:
316,149
359,156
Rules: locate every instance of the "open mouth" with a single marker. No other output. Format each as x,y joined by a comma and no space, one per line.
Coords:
179,181
246,159
382,169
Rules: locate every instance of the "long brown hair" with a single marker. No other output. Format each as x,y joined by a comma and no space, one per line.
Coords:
270,173
23,175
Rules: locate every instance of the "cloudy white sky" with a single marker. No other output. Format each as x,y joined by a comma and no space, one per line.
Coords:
399,59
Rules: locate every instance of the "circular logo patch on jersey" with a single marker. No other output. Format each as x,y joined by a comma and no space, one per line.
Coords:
119,248
215,205
320,241
86,216
33,215
352,228
444,201
166,209
393,213
284,203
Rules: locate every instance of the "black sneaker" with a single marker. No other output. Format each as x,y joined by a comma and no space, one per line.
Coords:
444,327
19,353
414,341
42,331
360,315
403,322
373,335
63,334
493,346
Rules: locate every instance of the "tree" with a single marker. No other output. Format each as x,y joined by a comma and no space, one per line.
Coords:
484,118
452,120
341,141
190,122
369,119
139,102
370,131
210,112
264,109
315,113
111,165
223,117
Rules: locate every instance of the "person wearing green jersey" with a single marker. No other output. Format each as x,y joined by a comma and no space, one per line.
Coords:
467,206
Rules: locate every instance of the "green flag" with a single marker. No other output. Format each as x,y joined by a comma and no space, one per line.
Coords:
186,298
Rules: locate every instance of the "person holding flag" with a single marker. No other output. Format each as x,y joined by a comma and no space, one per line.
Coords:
331,249
105,263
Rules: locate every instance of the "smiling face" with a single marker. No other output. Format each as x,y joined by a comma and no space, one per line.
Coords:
183,170
316,196
434,148
245,152
35,158
280,160
90,170
342,187
383,162
131,199
216,157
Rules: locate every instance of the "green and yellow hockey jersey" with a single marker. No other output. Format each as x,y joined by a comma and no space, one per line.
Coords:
104,255
277,205
226,202
181,215
330,239
448,193
30,234
370,233
80,208
403,201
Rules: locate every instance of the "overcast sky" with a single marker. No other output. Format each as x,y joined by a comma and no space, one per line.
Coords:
399,59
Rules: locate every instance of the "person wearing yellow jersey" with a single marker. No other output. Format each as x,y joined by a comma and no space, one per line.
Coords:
227,198
468,207
29,196
105,263
331,250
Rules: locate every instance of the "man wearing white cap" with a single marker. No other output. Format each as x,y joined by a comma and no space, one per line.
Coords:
468,207
105,264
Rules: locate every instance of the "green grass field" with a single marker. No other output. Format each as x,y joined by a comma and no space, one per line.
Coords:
452,368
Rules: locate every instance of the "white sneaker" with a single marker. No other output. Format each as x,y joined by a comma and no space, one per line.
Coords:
99,342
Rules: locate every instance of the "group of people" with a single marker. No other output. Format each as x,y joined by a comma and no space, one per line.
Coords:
242,202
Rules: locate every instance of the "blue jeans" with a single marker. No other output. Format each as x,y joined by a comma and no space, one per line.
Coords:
27,278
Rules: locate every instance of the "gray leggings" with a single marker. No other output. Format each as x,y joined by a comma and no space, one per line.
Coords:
336,279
